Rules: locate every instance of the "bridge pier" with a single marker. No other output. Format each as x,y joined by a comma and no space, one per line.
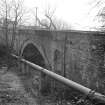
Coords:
23,68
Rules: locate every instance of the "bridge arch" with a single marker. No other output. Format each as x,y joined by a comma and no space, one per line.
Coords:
35,54
31,45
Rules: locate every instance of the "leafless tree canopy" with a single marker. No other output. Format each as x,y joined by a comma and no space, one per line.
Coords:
51,22
100,5
11,13
12,10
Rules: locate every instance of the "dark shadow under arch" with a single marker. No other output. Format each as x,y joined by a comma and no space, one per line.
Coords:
32,54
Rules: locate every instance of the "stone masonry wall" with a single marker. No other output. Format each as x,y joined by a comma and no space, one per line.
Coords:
84,59
84,54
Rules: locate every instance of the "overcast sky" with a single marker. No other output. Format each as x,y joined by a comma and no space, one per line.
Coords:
77,13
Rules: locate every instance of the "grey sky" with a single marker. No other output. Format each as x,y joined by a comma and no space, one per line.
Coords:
77,13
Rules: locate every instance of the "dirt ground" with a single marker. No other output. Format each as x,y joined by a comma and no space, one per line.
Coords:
12,91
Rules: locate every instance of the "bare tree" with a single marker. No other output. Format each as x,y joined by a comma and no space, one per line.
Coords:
43,23
60,24
49,14
51,22
99,5
5,9
18,12
12,12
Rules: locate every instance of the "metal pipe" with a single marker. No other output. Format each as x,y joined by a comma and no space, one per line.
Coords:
70,83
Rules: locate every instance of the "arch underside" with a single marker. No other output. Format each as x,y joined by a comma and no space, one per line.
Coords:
36,48
32,54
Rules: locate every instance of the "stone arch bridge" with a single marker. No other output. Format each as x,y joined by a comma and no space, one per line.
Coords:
79,55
